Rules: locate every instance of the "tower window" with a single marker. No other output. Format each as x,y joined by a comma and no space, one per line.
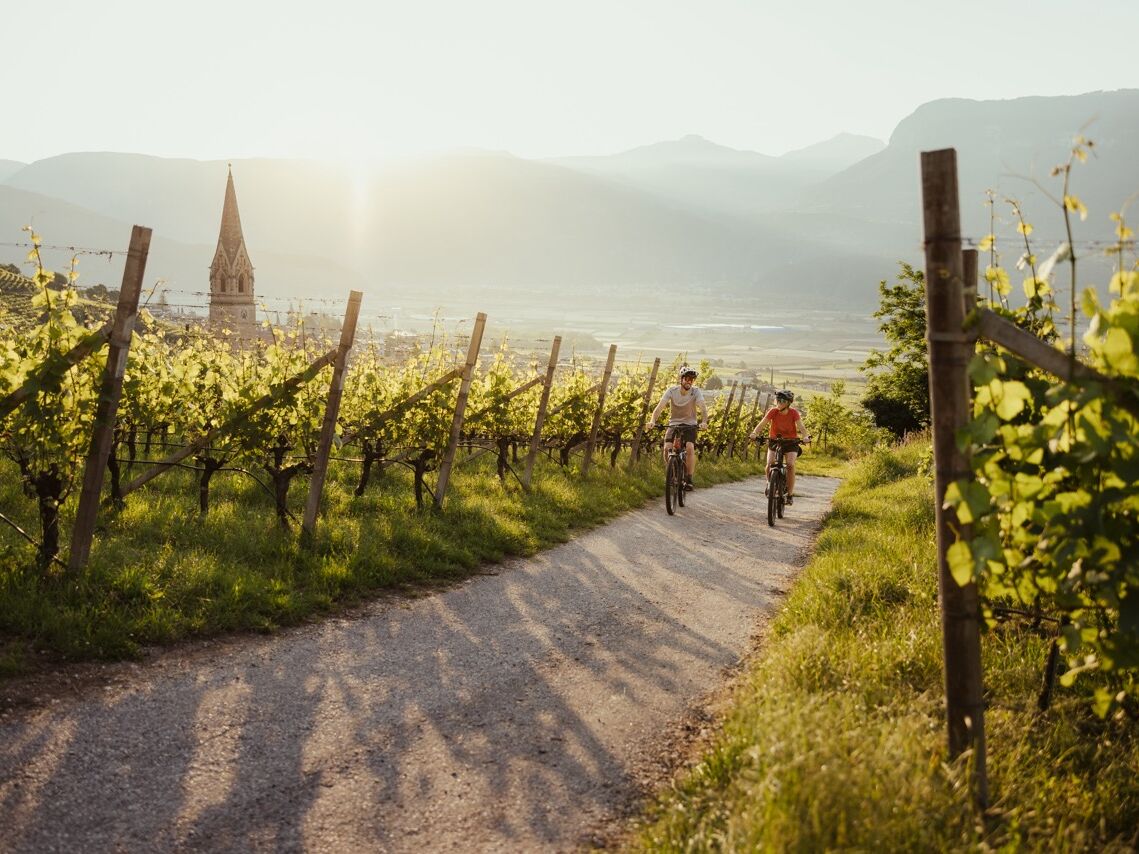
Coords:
241,284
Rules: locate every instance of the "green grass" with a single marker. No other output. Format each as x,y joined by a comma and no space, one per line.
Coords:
814,462
835,738
160,573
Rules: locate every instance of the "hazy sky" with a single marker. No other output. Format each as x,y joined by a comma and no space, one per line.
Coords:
360,80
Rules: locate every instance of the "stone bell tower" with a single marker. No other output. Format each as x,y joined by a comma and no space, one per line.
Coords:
231,273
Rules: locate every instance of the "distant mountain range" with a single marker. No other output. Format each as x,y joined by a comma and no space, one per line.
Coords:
718,180
819,226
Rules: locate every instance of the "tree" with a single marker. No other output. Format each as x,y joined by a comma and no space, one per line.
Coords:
98,292
897,393
828,415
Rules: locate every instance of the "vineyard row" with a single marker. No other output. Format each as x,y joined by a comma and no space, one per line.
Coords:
80,397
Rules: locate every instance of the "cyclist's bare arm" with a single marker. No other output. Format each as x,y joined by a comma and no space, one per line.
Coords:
801,429
659,409
766,417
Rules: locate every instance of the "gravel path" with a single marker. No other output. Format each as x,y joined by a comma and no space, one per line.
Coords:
515,711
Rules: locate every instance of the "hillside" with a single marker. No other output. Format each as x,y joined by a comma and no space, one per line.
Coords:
836,153
1003,145
9,168
693,172
448,223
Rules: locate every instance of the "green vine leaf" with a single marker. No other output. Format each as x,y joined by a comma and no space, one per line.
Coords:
960,559
1009,397
1118,350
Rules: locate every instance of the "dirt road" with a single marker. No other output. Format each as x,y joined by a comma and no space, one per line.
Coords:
511,712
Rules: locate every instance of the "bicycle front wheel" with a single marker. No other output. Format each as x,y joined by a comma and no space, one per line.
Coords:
772,486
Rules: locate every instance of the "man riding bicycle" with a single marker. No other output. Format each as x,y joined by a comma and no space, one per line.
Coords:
685,399
784,423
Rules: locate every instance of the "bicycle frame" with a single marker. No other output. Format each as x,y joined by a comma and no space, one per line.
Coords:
777,480
678,448
675,469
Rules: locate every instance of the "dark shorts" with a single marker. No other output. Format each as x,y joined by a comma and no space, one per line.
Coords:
687,432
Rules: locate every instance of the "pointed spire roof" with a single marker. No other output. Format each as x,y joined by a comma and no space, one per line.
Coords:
230,239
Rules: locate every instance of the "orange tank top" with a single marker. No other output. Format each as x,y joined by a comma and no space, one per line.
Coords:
783,423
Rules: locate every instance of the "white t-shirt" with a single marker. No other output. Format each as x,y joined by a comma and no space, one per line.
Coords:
684,404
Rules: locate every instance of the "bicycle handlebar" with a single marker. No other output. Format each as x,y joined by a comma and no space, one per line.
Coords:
768,440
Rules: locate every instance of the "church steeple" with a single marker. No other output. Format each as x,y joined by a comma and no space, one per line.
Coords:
231,273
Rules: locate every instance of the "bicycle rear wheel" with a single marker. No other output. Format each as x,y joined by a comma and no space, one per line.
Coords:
670,476
681,472
781,494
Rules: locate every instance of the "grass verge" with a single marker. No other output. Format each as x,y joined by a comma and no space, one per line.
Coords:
835,738
160,573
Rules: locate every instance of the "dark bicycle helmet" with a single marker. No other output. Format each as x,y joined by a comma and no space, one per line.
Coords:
784,394
686,371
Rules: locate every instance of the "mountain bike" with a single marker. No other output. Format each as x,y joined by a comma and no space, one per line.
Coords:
777,483
674,470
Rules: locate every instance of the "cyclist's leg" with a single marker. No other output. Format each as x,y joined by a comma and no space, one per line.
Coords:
690,455
665,444
789,458
671,473
770,463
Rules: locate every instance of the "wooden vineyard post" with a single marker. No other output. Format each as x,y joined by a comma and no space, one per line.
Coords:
540,419
331,412
722,439
754,410
736,423
969,267
460,409
645,406
949,352
110,390
592,443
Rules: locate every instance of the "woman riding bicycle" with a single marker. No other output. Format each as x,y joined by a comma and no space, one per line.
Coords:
685,400
784,423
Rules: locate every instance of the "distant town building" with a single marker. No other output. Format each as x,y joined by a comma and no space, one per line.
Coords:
231,273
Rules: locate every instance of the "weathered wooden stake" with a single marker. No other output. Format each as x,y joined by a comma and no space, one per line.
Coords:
646,405
540,419
331,412
589,445
969,284
949,353
722,439
110,390
460,409
754,411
